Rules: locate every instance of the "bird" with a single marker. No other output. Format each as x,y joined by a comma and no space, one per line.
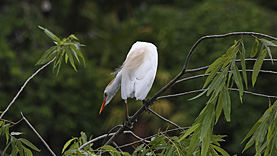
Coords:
135,76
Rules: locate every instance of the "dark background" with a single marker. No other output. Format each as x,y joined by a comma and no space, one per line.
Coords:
62,106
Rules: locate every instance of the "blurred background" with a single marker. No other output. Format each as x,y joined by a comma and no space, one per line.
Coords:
62,106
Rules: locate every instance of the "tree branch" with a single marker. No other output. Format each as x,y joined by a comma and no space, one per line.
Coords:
183,71
161,117
37,134
24,85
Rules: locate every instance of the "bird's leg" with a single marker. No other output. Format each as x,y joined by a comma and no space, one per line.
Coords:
128,121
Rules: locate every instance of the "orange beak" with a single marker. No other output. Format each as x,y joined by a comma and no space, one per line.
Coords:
103,105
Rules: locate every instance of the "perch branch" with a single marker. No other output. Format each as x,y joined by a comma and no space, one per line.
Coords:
37,134
24,85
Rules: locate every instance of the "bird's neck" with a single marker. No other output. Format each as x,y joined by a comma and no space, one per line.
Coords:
114,85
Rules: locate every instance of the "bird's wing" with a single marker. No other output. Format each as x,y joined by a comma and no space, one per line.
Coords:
145,76
138,72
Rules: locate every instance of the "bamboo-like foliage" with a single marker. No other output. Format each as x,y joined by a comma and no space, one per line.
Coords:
223,76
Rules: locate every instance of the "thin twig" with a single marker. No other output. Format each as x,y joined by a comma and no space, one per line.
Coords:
117,147
256,94
38,134
105,135
161,117
203,75
201,90
24,85
149,137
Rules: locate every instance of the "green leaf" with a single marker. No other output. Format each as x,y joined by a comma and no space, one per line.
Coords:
217,81
197,96
71,60
254,48
29,144
226,104
47,55
77,51
214,64
249,143
27,151
7,127
238,80
243,66
268,43
67,144
206,142
253,130
5,149
189,131
208,120
110,149
50,34
269,53
212,74
257,66
139,148
194,140
220,150
219,107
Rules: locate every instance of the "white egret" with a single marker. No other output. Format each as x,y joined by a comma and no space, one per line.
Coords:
135,76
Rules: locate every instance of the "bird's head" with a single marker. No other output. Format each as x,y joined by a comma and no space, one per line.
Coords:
109,93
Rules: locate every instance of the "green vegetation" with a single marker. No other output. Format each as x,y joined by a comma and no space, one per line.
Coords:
64,105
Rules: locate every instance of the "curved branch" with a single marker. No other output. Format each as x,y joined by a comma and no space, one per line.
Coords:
161,117
183,71
24,85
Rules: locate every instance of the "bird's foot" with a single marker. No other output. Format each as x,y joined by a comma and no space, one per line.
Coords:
128,123
146,105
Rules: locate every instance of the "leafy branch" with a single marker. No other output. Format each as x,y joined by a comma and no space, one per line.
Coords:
66,48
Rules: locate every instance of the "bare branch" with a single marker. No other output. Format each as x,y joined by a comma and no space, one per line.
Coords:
201,90
38,134
161,117
24,85
256,94
109,134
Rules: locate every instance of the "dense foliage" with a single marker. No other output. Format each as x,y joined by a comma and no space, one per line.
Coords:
62,106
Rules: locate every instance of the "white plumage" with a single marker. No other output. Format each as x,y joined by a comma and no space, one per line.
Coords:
136,75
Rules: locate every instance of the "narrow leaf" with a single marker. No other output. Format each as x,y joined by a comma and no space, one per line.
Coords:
47,55
238,81
207,122
220,150
257,66
268,43
212,74
226,104
50,34
29,144
67,144
199,95
243,66
219,107
254,48
189,131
